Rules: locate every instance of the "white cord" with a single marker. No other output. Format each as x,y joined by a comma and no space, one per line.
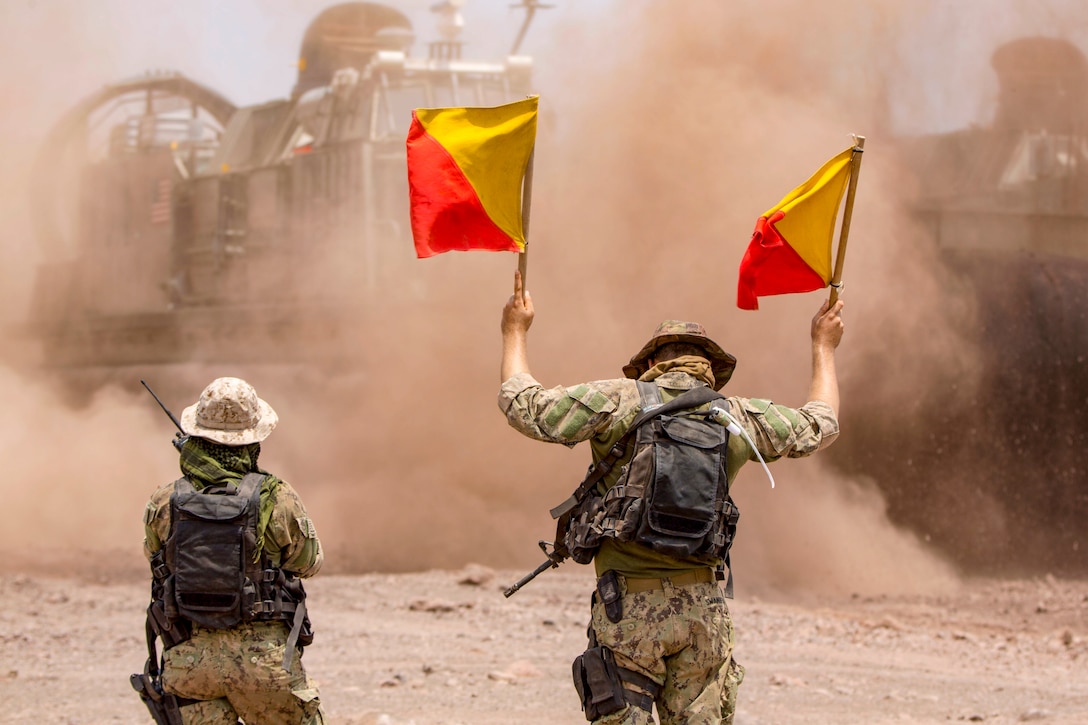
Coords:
734,428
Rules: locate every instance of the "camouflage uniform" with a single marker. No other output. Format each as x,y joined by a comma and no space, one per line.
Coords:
680,635
238,672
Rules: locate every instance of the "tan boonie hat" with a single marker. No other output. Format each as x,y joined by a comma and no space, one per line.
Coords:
721,362
229,412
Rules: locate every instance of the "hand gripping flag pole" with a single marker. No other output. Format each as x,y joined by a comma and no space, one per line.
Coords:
791,249
848,210
526,204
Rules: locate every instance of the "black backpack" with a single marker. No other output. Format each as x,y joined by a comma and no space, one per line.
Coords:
211,552
673,494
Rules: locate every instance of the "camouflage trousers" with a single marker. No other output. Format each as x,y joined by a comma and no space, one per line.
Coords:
682,639
238,673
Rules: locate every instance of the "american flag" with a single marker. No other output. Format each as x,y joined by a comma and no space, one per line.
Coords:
160,206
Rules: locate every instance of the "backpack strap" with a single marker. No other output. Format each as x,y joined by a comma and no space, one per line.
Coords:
649,395
250,486
649,399
689,399
291,612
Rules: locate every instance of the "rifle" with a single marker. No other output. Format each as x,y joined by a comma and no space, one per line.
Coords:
562,514
556,556
181,436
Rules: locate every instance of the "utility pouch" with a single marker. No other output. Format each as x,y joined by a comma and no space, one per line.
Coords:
597,679
608,589
171,632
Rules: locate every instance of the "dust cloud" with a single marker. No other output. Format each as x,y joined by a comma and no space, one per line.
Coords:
710,119
664,134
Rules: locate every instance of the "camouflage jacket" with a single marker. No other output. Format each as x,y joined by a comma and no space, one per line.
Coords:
290,540
601,411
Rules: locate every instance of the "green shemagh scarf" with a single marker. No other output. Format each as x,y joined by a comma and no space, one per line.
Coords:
207,463
693,365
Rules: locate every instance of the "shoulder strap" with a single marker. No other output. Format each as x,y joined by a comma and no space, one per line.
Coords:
251,485
689,399
649,395
183,485
247,487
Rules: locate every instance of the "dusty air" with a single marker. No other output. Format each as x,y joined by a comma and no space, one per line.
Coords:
220,192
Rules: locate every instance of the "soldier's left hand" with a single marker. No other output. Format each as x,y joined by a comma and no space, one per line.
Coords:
517,315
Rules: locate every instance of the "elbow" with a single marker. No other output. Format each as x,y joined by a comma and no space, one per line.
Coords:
827,439
314,566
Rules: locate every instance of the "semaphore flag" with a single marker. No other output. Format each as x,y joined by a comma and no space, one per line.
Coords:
790,249
465,172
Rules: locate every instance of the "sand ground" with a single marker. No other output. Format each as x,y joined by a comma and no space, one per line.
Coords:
428,647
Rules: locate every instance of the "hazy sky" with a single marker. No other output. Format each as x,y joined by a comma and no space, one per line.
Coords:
930,57
246,49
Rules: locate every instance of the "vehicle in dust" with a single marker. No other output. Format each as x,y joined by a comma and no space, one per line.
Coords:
204,231
1004,207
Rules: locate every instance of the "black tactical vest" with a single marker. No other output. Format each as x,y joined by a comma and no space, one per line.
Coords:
672,496
217,577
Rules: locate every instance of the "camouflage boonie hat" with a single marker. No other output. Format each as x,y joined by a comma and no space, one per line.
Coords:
229,412
721,362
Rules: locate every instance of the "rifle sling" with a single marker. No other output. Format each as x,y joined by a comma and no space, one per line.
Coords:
690,399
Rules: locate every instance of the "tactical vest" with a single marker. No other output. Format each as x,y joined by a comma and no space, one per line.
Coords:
215,575
672,496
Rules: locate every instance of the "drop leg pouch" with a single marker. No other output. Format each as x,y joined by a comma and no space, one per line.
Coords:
597,679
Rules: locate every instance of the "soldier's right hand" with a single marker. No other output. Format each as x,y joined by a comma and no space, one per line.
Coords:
827,326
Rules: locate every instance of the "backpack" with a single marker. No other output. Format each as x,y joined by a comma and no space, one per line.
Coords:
211,552
673,494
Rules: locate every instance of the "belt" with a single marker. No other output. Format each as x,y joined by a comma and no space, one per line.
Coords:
697,576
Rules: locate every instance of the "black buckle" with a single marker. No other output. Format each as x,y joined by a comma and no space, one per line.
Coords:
159,569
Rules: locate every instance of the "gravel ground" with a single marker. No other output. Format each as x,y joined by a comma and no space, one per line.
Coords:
447,647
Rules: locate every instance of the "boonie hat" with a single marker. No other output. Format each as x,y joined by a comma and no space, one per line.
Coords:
721,362
229,412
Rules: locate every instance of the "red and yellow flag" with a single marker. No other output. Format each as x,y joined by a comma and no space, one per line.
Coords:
465,173
790,249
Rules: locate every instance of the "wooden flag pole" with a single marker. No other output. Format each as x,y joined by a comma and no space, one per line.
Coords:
526,206
855,168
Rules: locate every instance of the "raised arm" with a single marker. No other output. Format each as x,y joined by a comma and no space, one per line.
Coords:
827,329
517,317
